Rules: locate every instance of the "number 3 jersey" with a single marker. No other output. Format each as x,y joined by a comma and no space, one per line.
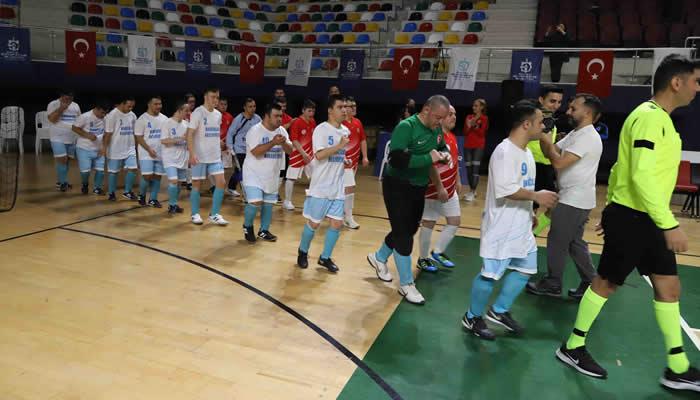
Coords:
327,175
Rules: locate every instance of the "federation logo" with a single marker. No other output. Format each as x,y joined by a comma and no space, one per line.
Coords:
142,52
13,45
303,131
463,66
352,66
526,66
198,56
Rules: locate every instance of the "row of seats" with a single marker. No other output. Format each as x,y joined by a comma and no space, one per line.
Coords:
425,66
460,16
446,16
410,27
435,38
157,4
439,6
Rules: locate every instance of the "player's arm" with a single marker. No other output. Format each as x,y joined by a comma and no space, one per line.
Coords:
230,134
107,136
329,151
560,159
289,124
78,129
363,145
55,115
400,157
505,175
139,131
285,142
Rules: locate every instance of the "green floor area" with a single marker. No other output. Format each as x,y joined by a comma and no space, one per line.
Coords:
424,353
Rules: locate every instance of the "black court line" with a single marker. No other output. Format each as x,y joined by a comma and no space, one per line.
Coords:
359,363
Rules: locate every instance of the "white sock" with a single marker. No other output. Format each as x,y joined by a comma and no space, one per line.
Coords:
445,238
349,202
189,176
288,190
424,240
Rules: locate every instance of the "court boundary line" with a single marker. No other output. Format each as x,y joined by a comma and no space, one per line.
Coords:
686,328
325,335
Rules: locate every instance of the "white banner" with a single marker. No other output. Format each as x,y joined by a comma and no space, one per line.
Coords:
660,54
464,64
142,55
299,67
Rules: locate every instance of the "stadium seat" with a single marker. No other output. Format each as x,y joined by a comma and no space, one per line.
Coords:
445,16
141,3
426,27
143,14
303,8
295,28
164,42
466,6
232,61
323,39
372,27
418,38
96,22
354,17
160,27
284,63
387,7
431,16
94,9
242,25
341,17
197,10
632,35
434,38
366,16
475,27
429,53
337,39
390,53
223,12
100,50
480,16
437,6
210,10
220,34
656,36
310,38
186,19
324,53
316,64
191,31
155,4
201,20
206,33
169,6
10,2
330,65
329,17
363,39
361,8
452,38
379,17
326,8
337,8
442,27
145,26
284,38
167,55
236,13
268,28
425,66
233,35
458,27
386,65
255,26
261,17
470,39
320,27
114,38
350,8
273,63
215,22
254,6
346,27
231,4
678,33
128,3
350,39
172,17
461,16
307,28
297,38
450,6
126,13
359,27
292,18
115,51
283,28
482,5
176,30
314,8
226,48
112,23
179,44
248,37
183,8
272,51
332,28
267,38
291,8
304,18
402,38
374,7
316,17
249,15
110,1
181,56
111,11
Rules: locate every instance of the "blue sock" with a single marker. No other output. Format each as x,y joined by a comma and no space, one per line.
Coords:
143,186
216,200
99,178
513,285
265,216
329,243
67,168
383,253
172,193
403,264
155,188
194,201
129,180
112,182
85,177
306,237
481,291
179,189
250,212
62,172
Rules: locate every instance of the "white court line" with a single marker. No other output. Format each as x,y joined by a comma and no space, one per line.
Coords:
688,330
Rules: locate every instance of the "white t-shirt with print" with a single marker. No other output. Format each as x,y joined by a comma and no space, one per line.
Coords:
207,126
91,124
61,131
327,175
174,155
121,144
263,172
577,182
150,128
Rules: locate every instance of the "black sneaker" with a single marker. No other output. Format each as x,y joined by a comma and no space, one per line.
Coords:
155,204
426,265
579,291
581,360
267,236
172,210
179,209
329,264
84,188
98,191
249,233
505,320
65,187
478,327
112,197
130,196
689,380
303,259
58,185
141,199
189,186
211,189
543,288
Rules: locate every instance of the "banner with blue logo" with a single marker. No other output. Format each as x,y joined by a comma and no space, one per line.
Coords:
464,65
351,68
526,66
142,55
197,57
15,48
299,67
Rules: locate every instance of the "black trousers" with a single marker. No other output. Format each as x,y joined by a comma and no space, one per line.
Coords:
404,204
233,182
556,61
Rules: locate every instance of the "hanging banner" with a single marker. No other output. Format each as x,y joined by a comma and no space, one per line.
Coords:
252,64
595,70
351,68
660,54
197,57
526,66
15,48
464,64
81,53
142,55
404,74
299,67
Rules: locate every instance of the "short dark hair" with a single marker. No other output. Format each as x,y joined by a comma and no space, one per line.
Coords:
670,67
350,98
332,99
124,98
66,92
179,105
308,103
188,95
279,88
248,100
223,99
279,100
150,98
211,89
272,106
103,104
592,103
521,111
547,89
410,109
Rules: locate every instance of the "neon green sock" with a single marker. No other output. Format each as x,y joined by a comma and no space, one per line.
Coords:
544,222
588,310
668,316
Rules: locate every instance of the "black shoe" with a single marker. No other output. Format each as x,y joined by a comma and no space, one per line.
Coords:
329,264
58,185
141,199
581,360
65,187
130,196
478,327
189,186
211,189
172,210
303,259
579,291
84,189
179,209
249,233
98,191
183,184
505,320
267,236
112,197
543,288
426,265
689,380
155,204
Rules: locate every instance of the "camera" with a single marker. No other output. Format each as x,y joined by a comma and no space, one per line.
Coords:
549,123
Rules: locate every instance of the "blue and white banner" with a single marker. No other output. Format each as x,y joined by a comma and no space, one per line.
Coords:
526,66
197,57
15,48
299,67
352,64
142,55
464,65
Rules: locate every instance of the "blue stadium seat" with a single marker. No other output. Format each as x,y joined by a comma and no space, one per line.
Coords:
169,6
213,21
346,27
390,53
320,28
379,17
128,25
362,39
316,63
100,50
249,15
114,38
191,31
265,8
323,39
410,27
292,18
181,56
219,3
478,16
329,17
9,2
126,13
326,53
418,39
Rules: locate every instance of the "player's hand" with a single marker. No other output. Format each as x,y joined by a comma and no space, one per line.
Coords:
435,156
278,139
676,241
348,162
446,157
365,162
152,153
470,123
547,138
459,188
599,229
443,196
193,160
92,137
65,102
535,221
546,198
101,152
344,140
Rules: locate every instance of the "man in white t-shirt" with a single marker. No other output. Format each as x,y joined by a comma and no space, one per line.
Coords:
174,154
326,194
118,144
507,241
148,132
576,159
62,113
90,127
203,145
266,143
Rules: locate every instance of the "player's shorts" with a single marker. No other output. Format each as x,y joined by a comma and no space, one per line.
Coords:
294,173
226,159
201,170
434,209
255,194
316,209
632,240
114,166
175,173
349,177
61,149
88,160
151,167
494,269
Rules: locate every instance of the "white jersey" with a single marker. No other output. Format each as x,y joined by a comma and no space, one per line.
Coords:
577,182
150,128
91,124
61,131
327,175
263,172
121,144
175,155
207,126
506,225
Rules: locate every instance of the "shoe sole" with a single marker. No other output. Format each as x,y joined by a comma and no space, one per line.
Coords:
473,332
536,293
218,223
568,361
198,222
351,226
678,385
432,271
412,302
376,270
497,322
267,240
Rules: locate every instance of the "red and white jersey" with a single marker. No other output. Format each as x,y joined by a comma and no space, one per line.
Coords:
302,132
357,135
448,172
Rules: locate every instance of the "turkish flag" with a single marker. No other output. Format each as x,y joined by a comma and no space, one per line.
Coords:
81,53
404,76
595,72
252,64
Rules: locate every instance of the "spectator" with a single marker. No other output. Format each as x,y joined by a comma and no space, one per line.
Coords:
333,90
557,37
475,127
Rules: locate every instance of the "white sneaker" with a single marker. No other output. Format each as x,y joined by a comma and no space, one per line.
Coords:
381,268
218,220
469,196
411,294
232,192
288,205
196,219
350,223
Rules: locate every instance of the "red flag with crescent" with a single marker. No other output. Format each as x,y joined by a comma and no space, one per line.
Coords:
252,64
81,53
595,72
404,75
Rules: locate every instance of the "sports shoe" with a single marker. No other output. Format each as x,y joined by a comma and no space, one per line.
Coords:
155,204
211,189
382,270
426,265
189,186
179,209
442,259
65,187
411,294
579,291
478,327
130,196
218,220
84,188
350,223
142,200
543,288
171,209
505,320
581,360
98,191
287,205
249,233
231,192
329,264
112,197
469,196
58,185
303,259
267,236
689,380
197,219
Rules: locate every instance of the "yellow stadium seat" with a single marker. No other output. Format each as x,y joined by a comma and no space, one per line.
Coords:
111,11
206,33
127,3
267,38
452,38
307,28
350,39
291,8
354,17
372,27
273,63
402,38
236,13
243,25
193,1
482,5
445,16
281,18
442,27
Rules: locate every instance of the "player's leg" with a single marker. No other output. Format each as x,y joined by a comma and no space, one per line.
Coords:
468,156
199,174
84,164
562,232
269,199
430,216
113,168
379,258
147,170
581,256
473,320
173,175
311,213
350,186
452,212
98,164
405,219
60,155
513,284
293,173
255,197
158,173
475,166
217,171
131,167
334,212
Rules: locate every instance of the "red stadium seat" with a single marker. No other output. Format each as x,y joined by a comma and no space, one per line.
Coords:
112,23
164,42
632,35
360,27
425,27
186,19
684,185
470,39
330,65
610,35
94,9
386,65
450,6
183,8
462,16
677,34
295,28
248,37
656,36
309,39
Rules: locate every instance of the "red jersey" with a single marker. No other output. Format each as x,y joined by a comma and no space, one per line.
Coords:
226,120
357,135
476,136
448,172
286,118
302,132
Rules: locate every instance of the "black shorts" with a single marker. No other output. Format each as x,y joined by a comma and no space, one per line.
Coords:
632,240
544,179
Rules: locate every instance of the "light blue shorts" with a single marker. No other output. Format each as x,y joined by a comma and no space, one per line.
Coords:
255,194
175,173
114,166
150,167
201,170
61,149
88,160
316,209
494,269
